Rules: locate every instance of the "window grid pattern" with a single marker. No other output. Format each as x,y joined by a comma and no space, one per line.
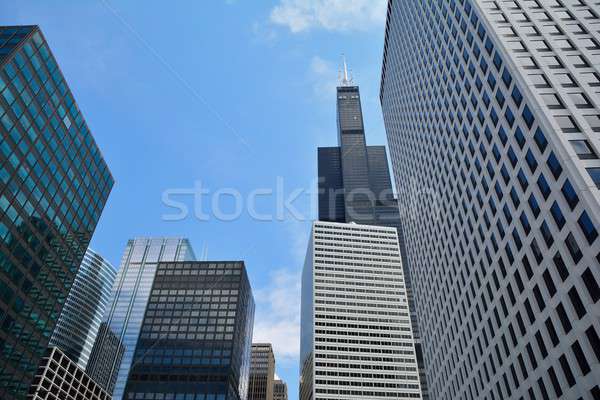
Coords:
280,390
262,372
82,313
356,339
59,378
195,339
129,298
504,256
53,186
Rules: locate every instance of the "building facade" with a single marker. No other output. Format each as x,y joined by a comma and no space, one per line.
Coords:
59,378
280,390
356,336
492,109
129,299
53,186
355,186
106,353
196,336
262,372
80,318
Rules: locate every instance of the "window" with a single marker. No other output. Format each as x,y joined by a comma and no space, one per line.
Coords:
540,140
591,78
552,332
545,188
580,100
561,267
528,116
593,121
580,356
587,227
595,175
573,248
566,123
531,161
539,81
554,165
565,321
583,149
557,215
591,284
594,340
569,194
552,62
577,303
549,283
517,96
552,101
533,204
565,80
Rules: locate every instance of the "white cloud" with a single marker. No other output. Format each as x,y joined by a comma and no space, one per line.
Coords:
323,77
332,15
277,319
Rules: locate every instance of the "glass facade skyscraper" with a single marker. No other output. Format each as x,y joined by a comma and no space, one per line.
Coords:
130,295
107,353
196,336
53,186
356,335
82,313
355,186
493,108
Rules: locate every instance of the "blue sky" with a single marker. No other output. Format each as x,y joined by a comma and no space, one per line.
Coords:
231,95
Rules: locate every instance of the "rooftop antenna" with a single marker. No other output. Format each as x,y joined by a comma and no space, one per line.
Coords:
345,79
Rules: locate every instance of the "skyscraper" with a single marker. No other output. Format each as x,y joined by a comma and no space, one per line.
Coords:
196,336
130,295
82,313
279,390
262,372
355,185
53,186
107,353
59,378
492,107
356,336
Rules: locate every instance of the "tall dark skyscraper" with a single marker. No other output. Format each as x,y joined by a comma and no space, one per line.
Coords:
196,336
53,186
355,185
354,179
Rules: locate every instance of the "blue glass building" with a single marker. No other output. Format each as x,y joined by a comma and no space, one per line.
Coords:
82,314
53,186
129,299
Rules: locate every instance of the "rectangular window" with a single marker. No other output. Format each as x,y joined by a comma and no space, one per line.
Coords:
583,149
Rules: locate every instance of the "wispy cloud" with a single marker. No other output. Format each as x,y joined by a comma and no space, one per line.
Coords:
277,318
332,15
263,32
323,78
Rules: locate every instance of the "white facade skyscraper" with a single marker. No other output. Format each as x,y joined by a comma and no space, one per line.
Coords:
356,335
492,109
